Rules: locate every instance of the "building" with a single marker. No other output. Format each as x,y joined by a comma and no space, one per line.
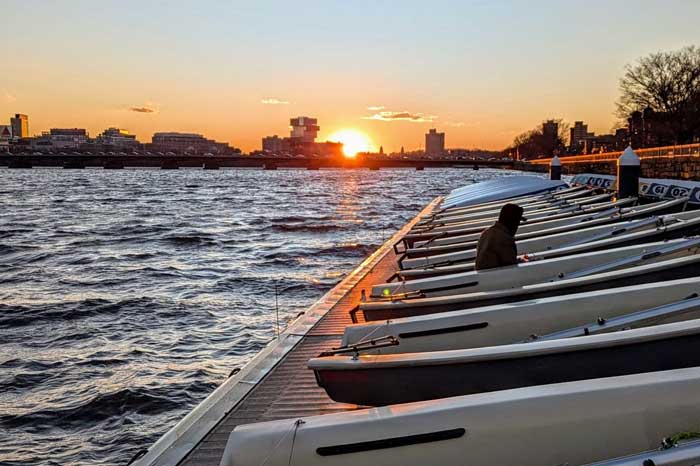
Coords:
434,142
651,129
118,138
5,137
275,144
622,137
302,137
304,129
187,143
578,134
62,138
20,126
328,149
550,130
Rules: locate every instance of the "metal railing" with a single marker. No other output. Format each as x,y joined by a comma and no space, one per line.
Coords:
650,153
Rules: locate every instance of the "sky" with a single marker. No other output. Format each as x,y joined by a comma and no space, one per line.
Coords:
481,71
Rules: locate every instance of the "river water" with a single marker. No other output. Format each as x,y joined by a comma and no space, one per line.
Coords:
128,296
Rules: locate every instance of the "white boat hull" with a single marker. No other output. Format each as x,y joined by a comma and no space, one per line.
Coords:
569,423
508,323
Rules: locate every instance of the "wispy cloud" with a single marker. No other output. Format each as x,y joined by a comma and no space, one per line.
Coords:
414,117
454,124
273,101
375,108
8,97
142,109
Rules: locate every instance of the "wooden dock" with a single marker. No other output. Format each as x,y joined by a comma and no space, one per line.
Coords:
287,388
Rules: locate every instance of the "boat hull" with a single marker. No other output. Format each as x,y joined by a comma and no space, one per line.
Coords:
570,423
418,307
506,324
393,385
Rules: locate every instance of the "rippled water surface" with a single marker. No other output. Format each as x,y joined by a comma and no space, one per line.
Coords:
127,296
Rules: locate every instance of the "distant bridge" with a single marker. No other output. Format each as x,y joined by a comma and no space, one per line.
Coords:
77,161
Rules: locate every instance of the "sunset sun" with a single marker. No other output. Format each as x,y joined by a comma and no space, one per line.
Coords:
353,141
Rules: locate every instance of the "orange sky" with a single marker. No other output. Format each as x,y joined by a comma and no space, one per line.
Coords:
482,72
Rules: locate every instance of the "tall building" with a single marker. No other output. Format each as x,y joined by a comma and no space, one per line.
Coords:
577,134
20,126
304,129
187,142
550,129
118,138
434,142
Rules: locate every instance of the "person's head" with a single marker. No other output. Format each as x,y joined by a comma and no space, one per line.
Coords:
511,215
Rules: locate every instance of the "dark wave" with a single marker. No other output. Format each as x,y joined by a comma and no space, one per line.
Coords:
16,316
189,240
306,228
131,401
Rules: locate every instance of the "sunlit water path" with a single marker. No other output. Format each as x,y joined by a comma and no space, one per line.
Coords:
127,296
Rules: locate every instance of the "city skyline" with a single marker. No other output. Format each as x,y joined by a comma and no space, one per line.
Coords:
480,72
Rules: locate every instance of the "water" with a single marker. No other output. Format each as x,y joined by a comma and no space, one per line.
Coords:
128,296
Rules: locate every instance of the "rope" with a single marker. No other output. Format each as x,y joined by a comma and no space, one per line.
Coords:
279,442
366,337
294,438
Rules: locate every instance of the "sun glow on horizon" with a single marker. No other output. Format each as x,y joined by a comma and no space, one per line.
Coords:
353,141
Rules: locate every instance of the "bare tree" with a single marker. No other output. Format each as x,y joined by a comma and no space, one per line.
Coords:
667,83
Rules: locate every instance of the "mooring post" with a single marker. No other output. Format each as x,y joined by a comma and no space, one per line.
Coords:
555,169
628,172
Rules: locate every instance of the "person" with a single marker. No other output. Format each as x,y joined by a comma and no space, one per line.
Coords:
496,246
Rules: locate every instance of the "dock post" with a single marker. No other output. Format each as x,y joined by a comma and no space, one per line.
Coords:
555,169
628,172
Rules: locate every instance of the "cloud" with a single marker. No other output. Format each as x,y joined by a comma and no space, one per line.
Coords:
273,101
375,109
143,109
387,115
454,124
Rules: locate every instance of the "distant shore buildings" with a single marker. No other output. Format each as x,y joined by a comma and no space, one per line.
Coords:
187,143
17,129
581,141
15,137
118,138
302,140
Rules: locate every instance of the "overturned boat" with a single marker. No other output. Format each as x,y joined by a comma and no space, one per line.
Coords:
681,267
498,189
622,209
531,426
530,272
594,238
378,380
535,210
510,323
